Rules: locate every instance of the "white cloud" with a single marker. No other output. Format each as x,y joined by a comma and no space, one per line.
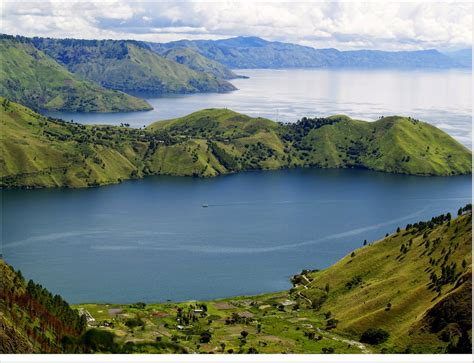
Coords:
344,25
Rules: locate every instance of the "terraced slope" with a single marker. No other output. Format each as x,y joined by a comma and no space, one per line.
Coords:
129,66
29,76
42,152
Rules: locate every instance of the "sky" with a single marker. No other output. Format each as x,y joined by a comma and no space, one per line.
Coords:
342,25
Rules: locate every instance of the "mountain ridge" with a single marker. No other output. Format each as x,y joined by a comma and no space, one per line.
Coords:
45,152
255,52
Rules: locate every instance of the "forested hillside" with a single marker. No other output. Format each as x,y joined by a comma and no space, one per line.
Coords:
32,320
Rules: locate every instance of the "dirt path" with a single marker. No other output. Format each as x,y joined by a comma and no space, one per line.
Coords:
363,348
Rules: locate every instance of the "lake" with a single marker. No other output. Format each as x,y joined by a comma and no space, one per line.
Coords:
152,239
441,97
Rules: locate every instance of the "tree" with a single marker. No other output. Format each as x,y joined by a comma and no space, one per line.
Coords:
374,336
205,337
244,334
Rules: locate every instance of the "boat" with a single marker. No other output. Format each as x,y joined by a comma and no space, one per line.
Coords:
205,205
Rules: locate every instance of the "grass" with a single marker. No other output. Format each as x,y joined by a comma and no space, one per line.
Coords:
382,272
29,76
45,152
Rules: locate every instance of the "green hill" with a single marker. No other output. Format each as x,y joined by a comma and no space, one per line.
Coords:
29,76
45,152
392,144
129,66
415,284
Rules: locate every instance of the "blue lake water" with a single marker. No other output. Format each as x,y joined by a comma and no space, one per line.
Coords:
151,240
441,97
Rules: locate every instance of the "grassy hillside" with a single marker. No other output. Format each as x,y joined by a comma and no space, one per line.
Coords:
415,284
198,62
129,66
45,152
29,76
388,286
392,144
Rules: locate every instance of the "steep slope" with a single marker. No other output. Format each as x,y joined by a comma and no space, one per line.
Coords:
29,76
196,61
415,284
45,152
128,66
253,52
33,320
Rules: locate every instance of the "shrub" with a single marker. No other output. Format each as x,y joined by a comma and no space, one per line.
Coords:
374,336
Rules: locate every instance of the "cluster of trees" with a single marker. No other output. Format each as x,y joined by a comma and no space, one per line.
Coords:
449,275
466,208
423,225
296,131
355,281
374,336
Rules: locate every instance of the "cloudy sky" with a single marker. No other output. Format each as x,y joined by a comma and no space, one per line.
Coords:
342,25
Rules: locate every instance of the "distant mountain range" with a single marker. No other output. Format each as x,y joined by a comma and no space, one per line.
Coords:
254,52
87,75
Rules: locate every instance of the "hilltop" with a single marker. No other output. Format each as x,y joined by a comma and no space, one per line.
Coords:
106,62
407,293
46,152
29,76
254,52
